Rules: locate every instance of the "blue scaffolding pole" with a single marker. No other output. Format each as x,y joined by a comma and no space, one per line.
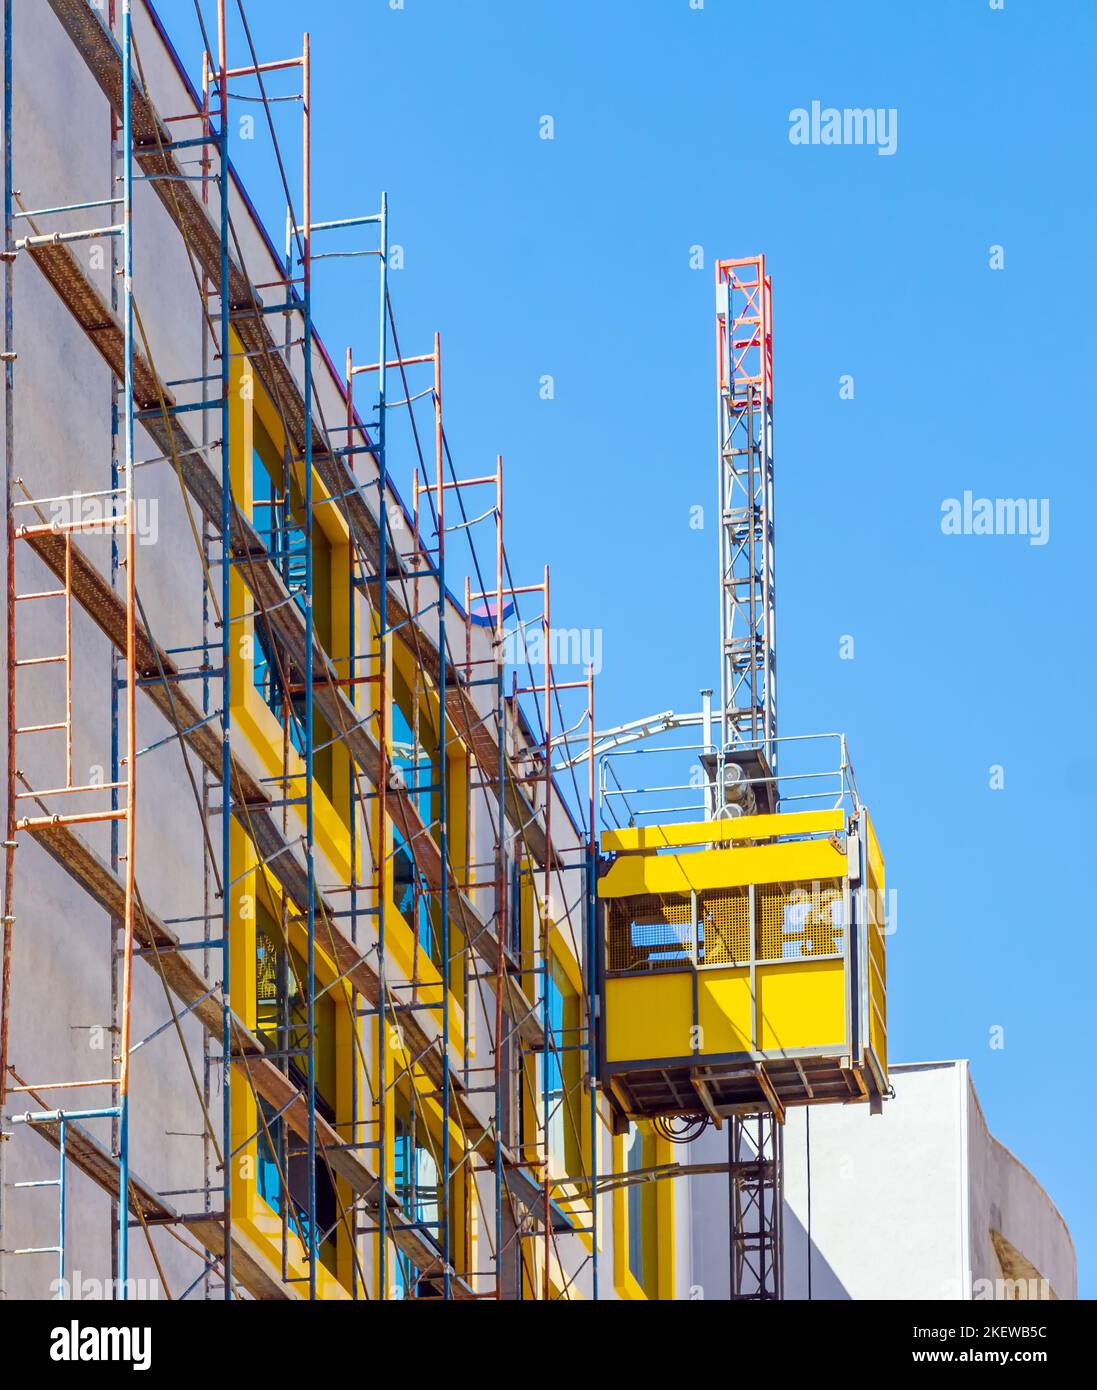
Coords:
310,733
381,856
225,183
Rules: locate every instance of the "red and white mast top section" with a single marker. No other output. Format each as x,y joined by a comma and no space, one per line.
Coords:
744,387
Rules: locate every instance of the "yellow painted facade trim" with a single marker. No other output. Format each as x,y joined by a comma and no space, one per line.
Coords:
626,1285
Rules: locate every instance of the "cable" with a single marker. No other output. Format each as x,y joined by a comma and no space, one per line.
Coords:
681,1129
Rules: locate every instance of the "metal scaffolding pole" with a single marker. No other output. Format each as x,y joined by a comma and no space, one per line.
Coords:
225,183
8,924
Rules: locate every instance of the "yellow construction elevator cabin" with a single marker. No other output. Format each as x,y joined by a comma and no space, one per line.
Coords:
743,964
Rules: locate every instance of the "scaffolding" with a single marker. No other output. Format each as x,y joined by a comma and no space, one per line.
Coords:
442,1175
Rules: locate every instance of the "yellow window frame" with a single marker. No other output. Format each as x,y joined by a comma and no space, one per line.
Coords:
660,1227
252,719
394,1071
252,882
400,935
574,1200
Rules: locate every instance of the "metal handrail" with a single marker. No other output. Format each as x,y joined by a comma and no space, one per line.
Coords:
838,775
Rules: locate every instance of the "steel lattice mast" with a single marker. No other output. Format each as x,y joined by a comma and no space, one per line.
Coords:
748,691
744,377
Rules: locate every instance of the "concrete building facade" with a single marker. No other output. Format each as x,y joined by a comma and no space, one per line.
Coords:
916,1202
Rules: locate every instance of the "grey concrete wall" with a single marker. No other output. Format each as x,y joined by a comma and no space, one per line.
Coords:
62,963
61,1001
1020,1246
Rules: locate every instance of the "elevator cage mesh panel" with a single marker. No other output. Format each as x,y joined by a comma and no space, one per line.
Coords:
796,921
649,932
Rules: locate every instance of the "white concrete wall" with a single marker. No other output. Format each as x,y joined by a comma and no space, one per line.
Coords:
886,1192
899,1205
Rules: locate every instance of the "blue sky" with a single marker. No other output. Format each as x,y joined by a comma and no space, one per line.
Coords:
571,257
